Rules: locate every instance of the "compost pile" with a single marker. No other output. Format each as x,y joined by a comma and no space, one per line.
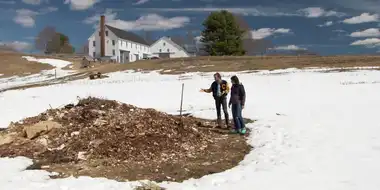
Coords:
104,138
101,129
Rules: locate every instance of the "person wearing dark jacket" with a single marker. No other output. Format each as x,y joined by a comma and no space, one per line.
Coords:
237,100
220,90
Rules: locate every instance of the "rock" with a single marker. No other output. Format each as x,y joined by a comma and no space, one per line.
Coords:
82,156
37,129
43,141
75,133
100,122
6,139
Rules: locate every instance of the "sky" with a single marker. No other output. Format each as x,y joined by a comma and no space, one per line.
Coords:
328,27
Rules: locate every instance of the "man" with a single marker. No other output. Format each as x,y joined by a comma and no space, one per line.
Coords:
219,89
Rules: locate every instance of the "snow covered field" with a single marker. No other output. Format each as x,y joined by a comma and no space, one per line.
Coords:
39,77
315,131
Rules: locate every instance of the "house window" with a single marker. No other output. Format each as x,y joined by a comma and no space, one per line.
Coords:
93,54
164,44
160,50
106,33
113,42
93,43
113,52
168,50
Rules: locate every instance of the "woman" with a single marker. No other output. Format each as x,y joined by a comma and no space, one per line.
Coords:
237,100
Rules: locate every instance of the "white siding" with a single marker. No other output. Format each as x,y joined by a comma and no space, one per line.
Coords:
120,45
164,46
134,49
108,46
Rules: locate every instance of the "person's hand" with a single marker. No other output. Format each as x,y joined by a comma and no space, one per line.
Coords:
202,90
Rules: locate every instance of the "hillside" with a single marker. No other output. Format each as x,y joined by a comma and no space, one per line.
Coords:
220,64
12,64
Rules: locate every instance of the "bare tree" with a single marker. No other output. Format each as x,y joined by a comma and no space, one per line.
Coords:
6,48
60,43
44,37
255,47
148,36
83,50
252,46
178,39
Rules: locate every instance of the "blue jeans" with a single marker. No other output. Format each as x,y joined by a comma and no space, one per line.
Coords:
238,118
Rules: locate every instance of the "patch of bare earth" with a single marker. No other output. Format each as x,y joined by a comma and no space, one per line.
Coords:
102,138
12,64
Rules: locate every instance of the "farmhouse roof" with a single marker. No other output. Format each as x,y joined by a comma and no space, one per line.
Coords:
127,35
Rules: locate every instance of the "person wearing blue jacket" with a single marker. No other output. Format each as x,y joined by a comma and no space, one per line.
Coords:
237,100
220,90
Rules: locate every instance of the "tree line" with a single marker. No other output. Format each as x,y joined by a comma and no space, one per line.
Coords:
50,41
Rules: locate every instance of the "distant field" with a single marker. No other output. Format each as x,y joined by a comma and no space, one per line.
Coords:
11,64
221,64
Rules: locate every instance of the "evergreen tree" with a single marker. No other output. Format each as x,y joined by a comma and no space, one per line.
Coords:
222,34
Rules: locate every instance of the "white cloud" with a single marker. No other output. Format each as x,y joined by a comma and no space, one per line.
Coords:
8,2
371,32
17,45
109,14
34,2
328,23
339,31
198,39
147,22
289,47
140,2
81,4
266,32
258,11
363,18
48,10
369,42
25,17
315,12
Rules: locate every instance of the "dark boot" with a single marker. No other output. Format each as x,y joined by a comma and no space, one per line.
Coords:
227,123
219,122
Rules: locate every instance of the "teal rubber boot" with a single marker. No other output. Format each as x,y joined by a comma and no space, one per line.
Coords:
243,131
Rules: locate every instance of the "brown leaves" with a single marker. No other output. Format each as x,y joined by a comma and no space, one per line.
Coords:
101,129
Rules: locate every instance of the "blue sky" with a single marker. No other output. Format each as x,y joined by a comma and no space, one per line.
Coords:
328,27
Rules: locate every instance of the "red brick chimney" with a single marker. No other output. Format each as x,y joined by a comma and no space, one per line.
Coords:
102,36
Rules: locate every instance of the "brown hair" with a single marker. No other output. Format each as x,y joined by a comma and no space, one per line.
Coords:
218,75
235,79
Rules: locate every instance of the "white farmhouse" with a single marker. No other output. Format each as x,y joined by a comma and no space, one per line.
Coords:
166,48
117,44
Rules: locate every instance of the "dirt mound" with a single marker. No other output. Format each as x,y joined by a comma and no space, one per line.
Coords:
103,138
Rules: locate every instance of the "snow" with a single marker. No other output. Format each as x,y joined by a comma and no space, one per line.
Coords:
43,76
53,62
314,130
